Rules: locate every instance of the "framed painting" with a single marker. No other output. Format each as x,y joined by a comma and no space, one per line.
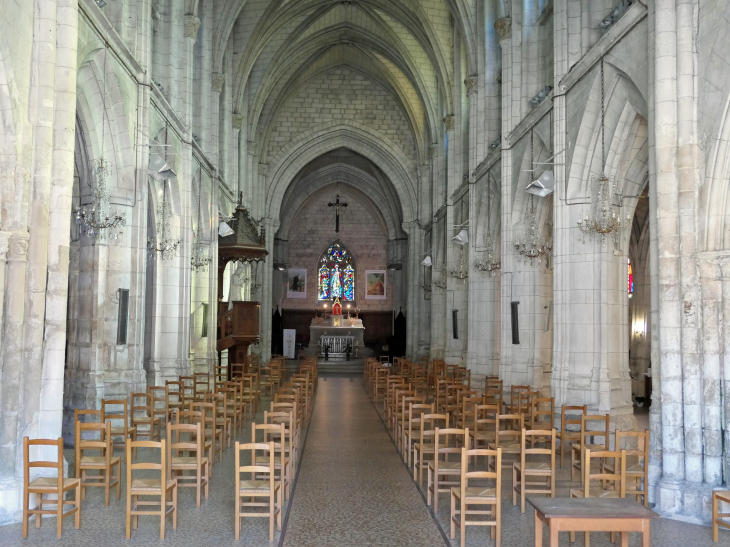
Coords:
375,285
296,283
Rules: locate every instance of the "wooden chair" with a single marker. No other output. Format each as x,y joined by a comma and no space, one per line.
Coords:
188,389
285,418
618,478
717,497
197,417
542,413
380,385
400,417
235,409
411,428
87,415
582,444
426,443
143,415
542,472
222,421
211,431
174,397
201,385
484,429
159,404
104,462
446,441
514,400
507,436
178,464
115,410
163,488
254,488
636,471
55,486
481,495
566,435
272,433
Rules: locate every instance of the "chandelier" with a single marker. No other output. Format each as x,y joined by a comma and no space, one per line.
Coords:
489,264
440,283
462,272
603,221
532,247
168,246
200,257
99,220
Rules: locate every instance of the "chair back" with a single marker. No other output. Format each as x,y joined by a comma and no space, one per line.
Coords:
133,466
189,417
449,441
508,428
602,430
141,405
571,415
89,415
55,446
533,436
159,401
466,475
176,442
638,449
543,412
253,468
115,409
188,388
617,477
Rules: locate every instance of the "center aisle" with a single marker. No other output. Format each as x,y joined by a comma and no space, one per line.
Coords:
352,487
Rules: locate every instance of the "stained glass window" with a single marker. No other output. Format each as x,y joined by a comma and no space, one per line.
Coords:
336,282
631,279
324,283
348,283
336,274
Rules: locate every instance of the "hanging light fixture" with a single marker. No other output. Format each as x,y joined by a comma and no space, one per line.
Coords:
100,221
167,246
200,257
489,264
532,247
603,220
462,272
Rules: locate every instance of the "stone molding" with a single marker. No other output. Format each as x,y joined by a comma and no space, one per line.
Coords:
237,120
192,24
217,80
504,28
449,122
471,84
4,244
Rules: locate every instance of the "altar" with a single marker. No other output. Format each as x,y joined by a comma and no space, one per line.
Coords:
337,334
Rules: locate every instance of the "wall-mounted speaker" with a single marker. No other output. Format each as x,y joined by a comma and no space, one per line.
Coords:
455,323
514,310
123,317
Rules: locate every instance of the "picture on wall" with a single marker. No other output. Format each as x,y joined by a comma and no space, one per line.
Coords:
375,285
296,286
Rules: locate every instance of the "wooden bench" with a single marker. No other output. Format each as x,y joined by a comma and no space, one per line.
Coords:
591,515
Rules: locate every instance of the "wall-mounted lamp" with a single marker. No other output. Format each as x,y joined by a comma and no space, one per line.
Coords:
462,238
225,230
543,186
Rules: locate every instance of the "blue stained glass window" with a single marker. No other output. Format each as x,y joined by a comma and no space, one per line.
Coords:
336,275
324,282
336,283
348,283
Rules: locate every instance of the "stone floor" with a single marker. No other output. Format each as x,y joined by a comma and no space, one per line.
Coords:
352,490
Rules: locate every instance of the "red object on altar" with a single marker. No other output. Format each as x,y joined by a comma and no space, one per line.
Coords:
337,307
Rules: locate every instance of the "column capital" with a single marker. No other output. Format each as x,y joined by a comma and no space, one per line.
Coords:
449,122
503,27
18,247
237,120
217,80
471,84
192,24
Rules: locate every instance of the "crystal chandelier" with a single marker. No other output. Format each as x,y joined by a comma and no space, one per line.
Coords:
462,272
200,257
168,247
603,221
532,247
489,264
99,220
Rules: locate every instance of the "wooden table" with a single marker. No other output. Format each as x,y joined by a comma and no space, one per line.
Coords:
591,515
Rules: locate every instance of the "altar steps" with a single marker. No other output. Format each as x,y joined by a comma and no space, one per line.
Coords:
339,366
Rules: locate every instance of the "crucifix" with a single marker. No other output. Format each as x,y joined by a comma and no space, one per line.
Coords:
337,206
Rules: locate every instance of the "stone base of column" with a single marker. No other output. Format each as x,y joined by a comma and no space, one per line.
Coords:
11,501
685,501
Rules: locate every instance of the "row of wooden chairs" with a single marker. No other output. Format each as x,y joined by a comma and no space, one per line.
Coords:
197,429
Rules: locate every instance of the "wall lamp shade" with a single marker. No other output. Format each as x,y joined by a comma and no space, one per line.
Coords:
543,186
100,3
395,266
462,238
159,169
225,230
427,261
281,266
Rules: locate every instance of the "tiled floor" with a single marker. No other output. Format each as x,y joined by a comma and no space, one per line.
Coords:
352,490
